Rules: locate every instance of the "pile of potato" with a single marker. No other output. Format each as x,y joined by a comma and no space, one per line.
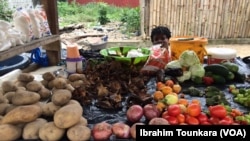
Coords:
26,113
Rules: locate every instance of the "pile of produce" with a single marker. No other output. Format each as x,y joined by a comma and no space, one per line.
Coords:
109,83
241,95
25,114
189,68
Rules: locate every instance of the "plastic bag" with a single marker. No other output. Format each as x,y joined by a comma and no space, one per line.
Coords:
36,25
41,15
157,61
22,23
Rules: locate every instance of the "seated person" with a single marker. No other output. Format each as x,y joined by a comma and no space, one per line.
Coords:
160,36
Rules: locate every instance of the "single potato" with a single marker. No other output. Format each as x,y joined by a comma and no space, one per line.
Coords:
25,77
79,133
68,116
31,129
22,114
34,86
61,97
9,132
22,97
8,86
48,76
50,132
49,109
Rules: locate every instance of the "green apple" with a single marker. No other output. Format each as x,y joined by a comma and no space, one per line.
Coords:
171,99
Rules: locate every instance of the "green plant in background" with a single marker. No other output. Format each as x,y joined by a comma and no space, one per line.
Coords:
103,16
74,13
98,12
131,18
5,12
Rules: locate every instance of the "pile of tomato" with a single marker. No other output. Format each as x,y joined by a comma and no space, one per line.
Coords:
192,114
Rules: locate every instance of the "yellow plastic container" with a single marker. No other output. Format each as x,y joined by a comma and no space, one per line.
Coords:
179,44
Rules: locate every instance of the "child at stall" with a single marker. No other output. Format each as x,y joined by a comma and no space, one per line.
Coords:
160,36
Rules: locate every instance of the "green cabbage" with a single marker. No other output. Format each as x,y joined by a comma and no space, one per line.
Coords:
188,58
197,70
175,64
186,76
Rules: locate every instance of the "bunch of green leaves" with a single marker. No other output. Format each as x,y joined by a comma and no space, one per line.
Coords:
5,11
102,18
131,18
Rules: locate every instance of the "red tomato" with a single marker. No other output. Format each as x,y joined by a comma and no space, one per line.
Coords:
224,122
192,121
194,109
214,120
206,123
202,117
174,110
165,115
181,118
172,120
228,119
218,111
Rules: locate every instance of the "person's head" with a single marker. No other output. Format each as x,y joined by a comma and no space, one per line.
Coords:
160,35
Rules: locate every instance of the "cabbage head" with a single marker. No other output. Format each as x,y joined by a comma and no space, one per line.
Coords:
188,58
175,64
197,70
186,76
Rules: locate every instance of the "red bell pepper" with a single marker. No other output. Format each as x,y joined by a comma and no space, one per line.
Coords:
218,111
207,80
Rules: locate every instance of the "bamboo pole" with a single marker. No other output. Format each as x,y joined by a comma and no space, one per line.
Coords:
236,18
193,16
148,16
224,18
205,17
173,16
211,16
245,18
229,27
218,29
176,17
142,16
197,12
247,30
161,11
232,7
214,20
151,5
154,13
182,19
167,13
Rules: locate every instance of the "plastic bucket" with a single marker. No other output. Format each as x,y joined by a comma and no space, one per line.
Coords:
179,44
218,55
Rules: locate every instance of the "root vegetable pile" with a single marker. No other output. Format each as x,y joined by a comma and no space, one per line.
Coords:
24,113
109,82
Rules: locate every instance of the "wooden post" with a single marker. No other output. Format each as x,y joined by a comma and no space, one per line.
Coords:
142,16
53,50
